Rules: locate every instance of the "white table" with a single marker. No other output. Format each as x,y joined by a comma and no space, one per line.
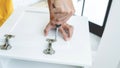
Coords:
27,25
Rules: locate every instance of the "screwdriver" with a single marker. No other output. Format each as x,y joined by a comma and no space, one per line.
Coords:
56,30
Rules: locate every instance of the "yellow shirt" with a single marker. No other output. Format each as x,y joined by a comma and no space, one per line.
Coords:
6,9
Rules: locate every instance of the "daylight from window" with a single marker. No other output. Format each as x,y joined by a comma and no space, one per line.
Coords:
95,10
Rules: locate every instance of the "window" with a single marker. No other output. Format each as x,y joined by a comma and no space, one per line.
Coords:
97,12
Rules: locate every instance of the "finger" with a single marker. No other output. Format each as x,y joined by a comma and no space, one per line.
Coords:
67,17
70,31
64,34
58,18
47,29
60,15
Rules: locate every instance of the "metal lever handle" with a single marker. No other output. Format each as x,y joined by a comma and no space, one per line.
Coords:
6,45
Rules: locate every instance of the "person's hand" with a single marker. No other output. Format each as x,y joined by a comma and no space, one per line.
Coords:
60,12
66,30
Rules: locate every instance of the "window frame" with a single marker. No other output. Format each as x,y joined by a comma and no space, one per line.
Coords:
97,29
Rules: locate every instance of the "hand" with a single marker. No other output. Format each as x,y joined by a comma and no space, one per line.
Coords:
66,30
60,12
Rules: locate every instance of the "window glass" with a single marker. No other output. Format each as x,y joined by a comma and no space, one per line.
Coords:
95,10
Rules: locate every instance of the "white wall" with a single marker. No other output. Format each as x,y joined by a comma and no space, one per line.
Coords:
0,65
108,55
19,3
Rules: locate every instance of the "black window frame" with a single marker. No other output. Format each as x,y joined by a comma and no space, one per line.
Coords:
97,29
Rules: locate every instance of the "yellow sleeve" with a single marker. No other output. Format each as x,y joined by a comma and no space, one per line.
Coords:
6,8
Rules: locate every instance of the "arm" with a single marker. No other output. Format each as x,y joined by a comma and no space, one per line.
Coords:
60,12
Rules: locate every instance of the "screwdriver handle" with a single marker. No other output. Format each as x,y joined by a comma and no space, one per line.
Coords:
58,25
